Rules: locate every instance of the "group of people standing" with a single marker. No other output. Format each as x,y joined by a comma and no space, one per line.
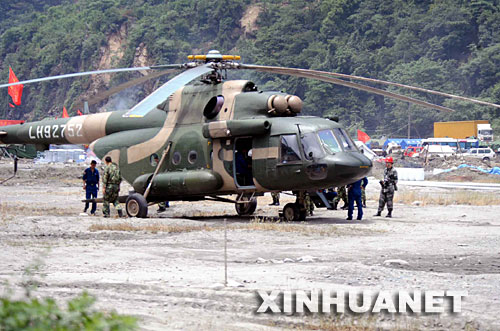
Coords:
111,180
355,193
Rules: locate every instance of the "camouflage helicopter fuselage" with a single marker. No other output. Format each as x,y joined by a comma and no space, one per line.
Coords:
204,126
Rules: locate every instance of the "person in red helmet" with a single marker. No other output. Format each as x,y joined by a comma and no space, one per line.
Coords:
388,186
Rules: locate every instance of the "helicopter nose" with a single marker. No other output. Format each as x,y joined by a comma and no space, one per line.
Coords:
345,168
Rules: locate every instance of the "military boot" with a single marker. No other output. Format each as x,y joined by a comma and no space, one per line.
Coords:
389,214
379,213
120,213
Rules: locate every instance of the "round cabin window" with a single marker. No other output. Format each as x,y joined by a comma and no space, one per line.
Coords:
192,156
176,159
153,160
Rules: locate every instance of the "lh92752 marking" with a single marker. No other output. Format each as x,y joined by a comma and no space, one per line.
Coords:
55,131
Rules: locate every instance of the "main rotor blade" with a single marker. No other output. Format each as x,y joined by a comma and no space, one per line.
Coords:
319,75
106,94
372,80
161,94
96,72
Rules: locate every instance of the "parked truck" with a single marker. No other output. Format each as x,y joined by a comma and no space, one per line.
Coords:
464,129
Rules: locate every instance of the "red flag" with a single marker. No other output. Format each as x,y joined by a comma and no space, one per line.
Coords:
363,137
79,112
16,91
65,113
11,105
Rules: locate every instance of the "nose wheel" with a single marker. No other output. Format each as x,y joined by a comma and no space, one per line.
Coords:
136,206
294,213
291,212
246,208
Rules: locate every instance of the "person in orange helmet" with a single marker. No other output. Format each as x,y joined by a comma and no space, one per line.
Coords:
388,187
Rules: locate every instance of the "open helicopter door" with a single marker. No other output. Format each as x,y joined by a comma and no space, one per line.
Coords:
243,163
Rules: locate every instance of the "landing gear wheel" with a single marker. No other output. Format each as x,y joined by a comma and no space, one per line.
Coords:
291,212
136,206
247,208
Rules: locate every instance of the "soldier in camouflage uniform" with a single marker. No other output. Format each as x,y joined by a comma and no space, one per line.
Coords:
162,206
276,199
111,180
309,204
341,195
389,185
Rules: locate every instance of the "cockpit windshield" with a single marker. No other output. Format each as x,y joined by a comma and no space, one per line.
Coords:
329,142
345,140
290,151
311,146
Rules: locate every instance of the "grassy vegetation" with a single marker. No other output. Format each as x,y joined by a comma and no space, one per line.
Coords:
152,228
255,225
30,313
453,198
45,314
460,197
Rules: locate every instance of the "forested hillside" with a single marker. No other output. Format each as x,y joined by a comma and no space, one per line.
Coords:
447,45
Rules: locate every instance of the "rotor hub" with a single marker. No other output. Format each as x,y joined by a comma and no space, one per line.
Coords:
218,62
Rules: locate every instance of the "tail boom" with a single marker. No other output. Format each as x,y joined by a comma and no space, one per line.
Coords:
74,130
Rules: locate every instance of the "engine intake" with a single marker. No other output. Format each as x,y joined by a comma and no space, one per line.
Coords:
281,105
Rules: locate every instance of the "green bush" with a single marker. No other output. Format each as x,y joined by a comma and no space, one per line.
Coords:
45,314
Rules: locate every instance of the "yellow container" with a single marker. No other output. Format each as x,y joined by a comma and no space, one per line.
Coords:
457,130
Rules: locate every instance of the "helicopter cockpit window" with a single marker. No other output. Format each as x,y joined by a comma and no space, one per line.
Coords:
311,146
290,151
329,141
345,140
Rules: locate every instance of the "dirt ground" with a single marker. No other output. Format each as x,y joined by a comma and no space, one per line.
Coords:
168,269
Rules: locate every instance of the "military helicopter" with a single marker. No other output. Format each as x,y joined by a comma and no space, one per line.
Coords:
216,137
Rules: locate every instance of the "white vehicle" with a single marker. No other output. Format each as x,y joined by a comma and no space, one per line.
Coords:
458,145
453,143
437,150
394,149
483,153
365,150
484,132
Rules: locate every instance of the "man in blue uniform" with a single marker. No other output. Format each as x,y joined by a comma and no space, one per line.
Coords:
354,194
91,185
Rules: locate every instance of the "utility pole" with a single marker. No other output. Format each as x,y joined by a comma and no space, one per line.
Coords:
409,119
225,252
